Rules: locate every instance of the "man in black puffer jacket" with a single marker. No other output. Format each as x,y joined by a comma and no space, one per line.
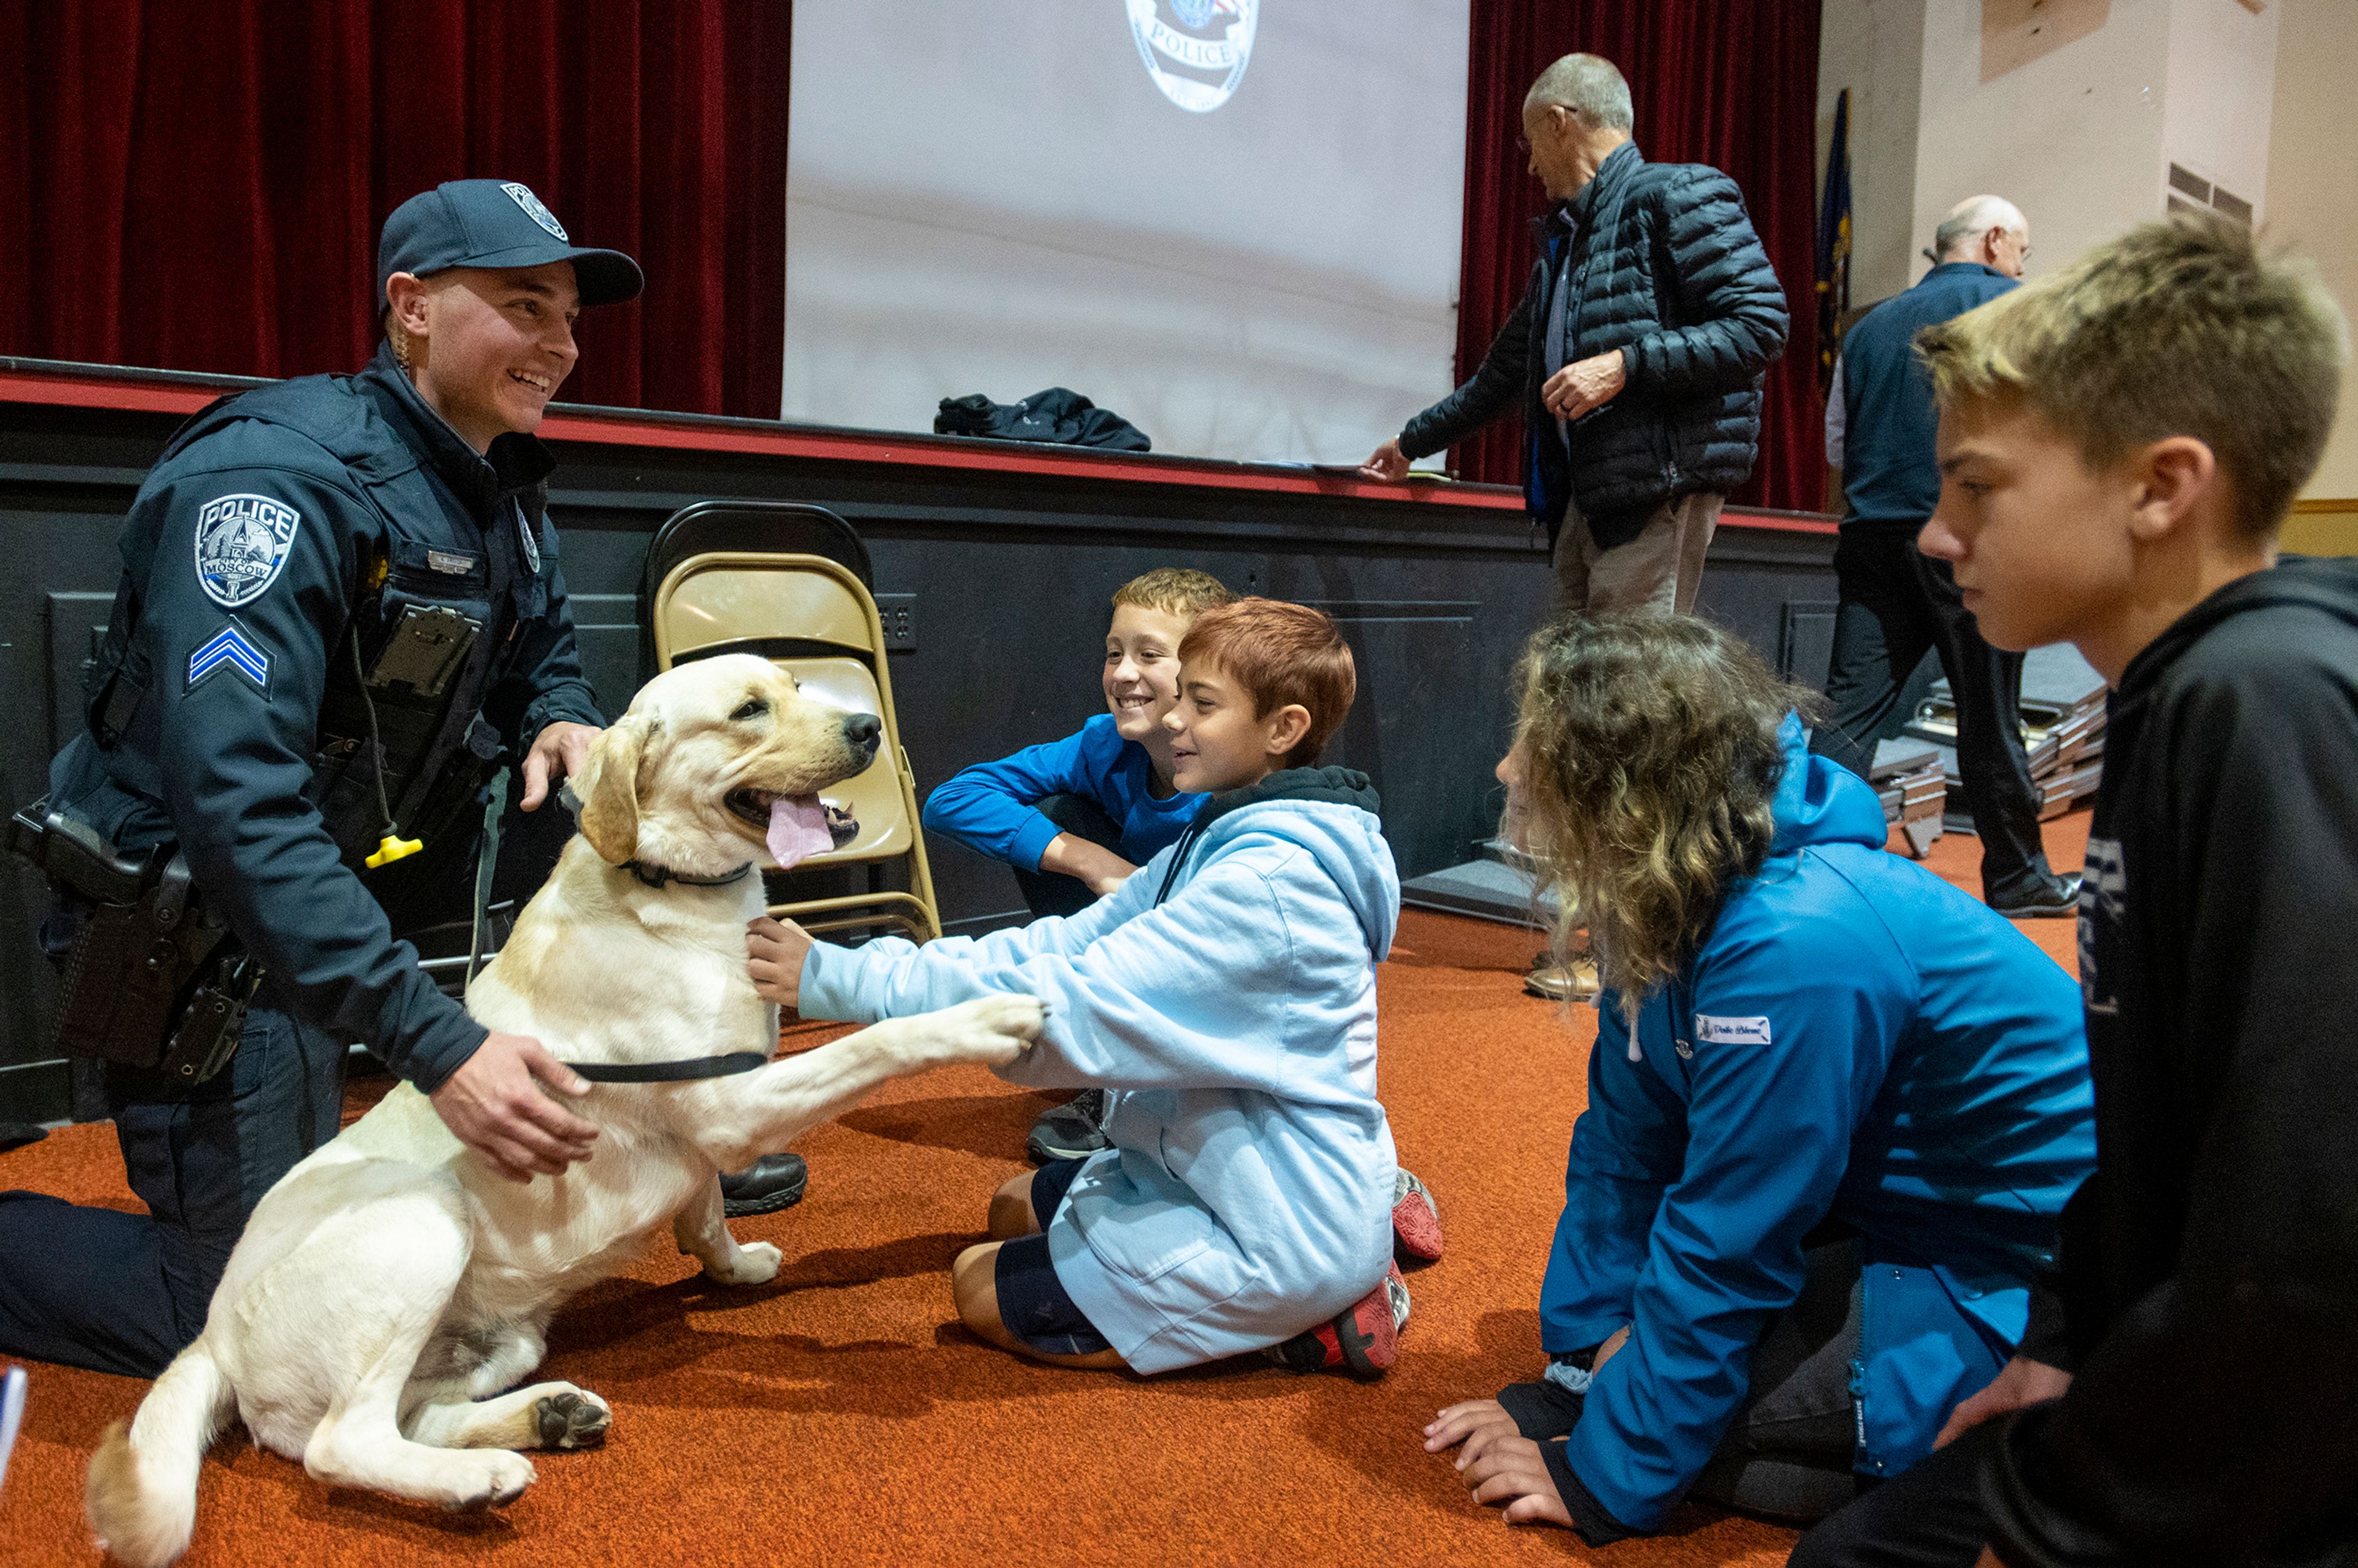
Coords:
1634,355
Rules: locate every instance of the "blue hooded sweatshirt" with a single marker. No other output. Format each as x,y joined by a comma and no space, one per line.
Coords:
1855,1038
1226,992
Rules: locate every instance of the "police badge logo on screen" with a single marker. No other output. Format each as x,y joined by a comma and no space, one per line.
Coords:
242,543
1194,49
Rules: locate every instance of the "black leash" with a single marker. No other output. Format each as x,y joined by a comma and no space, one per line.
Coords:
656,876
686,1070
678,1072
692,1067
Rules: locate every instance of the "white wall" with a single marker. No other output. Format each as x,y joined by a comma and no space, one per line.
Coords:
2221,87
1875,48
993,196
2081,137
2074,138
2312,186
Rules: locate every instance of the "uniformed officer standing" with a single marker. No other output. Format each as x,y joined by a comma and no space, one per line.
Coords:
341,606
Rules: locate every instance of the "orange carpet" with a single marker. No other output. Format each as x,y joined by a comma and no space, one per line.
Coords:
842,1416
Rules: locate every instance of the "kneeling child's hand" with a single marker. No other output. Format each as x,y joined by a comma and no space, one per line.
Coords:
1512,1470
775,951
1472,1422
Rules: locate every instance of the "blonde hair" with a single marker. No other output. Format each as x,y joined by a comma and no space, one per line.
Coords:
1651,757
2177,327
1174,591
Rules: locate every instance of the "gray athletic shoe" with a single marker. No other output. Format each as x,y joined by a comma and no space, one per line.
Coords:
1074,1130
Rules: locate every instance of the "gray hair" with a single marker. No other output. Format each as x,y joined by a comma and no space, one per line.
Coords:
1974,217
1590,86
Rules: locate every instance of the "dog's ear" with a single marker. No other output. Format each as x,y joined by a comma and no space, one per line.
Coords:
609,789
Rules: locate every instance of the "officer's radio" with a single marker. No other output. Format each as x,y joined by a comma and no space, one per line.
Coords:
402,695
428,646
152,980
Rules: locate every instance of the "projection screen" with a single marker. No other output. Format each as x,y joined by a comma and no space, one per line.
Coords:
1236,223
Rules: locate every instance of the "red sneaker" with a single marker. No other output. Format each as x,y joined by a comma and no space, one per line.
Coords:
1362,1340
1416,1219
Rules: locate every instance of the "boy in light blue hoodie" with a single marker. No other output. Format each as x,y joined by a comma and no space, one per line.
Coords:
1227,994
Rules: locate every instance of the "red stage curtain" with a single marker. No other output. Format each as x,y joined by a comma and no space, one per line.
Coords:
198,184
1732,83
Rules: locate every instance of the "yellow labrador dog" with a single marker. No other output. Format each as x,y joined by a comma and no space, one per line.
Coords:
391,1286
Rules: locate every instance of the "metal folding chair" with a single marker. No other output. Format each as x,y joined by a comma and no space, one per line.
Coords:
811,614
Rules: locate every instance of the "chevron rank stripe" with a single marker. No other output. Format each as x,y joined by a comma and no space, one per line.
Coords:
232,647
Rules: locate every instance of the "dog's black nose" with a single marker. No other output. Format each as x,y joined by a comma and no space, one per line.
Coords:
862,729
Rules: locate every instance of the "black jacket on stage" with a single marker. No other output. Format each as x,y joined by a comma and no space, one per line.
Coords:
1664,266
273,554
2206,1298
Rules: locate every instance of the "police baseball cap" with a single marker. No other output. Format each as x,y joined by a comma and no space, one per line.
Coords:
494,223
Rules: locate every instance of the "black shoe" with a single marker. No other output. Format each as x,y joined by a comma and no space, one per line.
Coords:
2046,900
16,1134
769,1183
1073,1131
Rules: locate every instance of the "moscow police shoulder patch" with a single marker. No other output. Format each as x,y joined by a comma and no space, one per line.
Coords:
242,543
535,209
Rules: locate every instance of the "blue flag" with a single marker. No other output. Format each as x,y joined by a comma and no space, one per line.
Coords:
1834,246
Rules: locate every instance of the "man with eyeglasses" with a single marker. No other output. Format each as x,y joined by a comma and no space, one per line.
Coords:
1639,383
1896,603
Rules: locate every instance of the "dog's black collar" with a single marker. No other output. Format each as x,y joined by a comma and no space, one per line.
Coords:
656,876
678,1072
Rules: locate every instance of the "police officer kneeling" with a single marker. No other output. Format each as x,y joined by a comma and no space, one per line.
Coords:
340,607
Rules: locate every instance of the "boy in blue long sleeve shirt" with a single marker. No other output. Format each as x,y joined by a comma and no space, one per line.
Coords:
1227,994
1119,763
1073,817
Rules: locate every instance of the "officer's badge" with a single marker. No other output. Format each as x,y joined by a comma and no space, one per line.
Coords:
1198,62
230,649
532,209
531,545
242,543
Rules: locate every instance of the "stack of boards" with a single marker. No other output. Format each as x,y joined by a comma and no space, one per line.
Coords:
1915,776
1499,884
2062,731
1909,781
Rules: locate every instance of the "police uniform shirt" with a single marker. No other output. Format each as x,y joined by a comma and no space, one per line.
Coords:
276,527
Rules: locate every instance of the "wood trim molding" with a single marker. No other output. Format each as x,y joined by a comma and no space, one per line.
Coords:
2323,525
165,392
58,384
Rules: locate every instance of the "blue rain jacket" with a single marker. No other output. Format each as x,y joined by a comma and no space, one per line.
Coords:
1855,1038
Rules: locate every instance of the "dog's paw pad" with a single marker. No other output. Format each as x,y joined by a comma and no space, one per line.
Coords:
571,1421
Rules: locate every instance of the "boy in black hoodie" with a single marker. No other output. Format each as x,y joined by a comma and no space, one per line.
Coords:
2118,446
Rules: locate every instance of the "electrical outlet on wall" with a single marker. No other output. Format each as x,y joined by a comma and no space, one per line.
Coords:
899,613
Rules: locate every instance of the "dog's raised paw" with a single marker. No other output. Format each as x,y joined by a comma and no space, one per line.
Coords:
1000,1027
572,1420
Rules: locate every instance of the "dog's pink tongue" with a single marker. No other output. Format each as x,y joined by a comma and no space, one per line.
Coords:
797,830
